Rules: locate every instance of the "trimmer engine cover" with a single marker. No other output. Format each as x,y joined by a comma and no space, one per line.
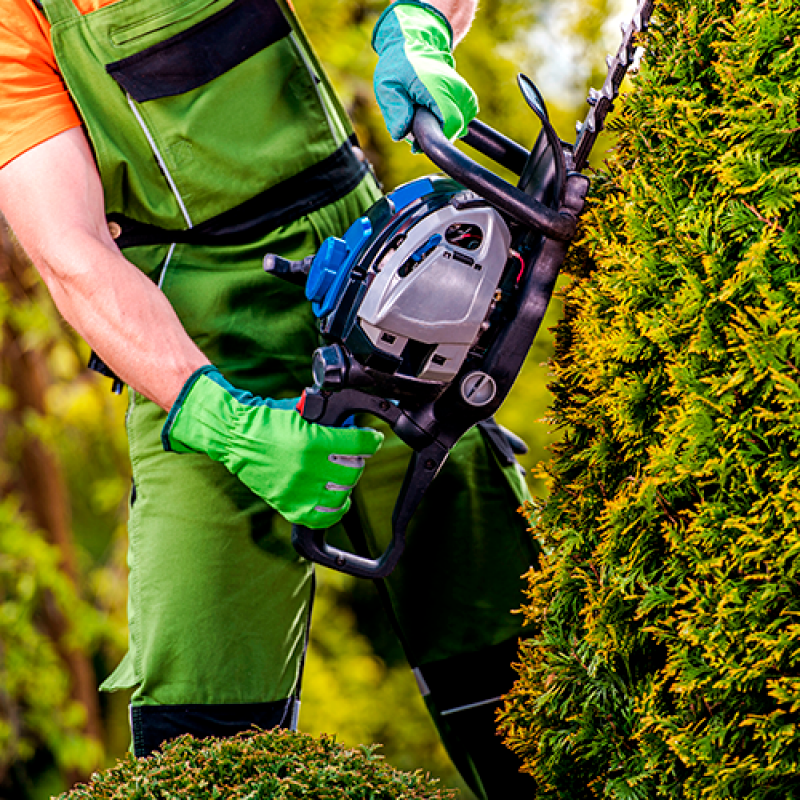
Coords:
411,286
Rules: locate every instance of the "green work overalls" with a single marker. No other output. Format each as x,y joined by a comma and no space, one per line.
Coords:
218,139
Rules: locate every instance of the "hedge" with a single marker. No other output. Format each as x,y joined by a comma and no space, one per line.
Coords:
258,765
667,657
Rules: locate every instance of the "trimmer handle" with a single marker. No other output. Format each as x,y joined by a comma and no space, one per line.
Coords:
311,544
525,209
333,409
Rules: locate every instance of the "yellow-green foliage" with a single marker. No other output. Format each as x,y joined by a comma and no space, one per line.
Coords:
667,663
266,765
36,707
45,619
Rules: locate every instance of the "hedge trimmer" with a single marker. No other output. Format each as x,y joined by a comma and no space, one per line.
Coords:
430,303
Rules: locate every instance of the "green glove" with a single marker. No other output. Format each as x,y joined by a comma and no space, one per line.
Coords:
304,471
416,67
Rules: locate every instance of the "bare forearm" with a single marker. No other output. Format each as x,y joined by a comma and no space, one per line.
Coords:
124,317
460,13
53,200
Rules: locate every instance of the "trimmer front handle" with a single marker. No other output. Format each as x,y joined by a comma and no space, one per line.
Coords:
521,206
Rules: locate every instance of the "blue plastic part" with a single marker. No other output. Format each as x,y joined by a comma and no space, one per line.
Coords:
409,192
336,258
326,265
423,251
332,264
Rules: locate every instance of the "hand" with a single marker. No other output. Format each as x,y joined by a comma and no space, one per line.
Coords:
304,471
416,68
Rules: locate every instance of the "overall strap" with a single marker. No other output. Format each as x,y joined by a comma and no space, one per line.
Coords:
58,10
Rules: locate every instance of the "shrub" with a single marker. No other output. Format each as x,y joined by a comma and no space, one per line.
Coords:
667,660
258,765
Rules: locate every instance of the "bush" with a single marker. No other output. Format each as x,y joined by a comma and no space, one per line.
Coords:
258,765
667,661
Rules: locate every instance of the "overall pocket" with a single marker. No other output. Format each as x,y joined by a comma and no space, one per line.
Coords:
153,24
229,107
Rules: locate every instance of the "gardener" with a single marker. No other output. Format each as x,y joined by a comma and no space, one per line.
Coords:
152,153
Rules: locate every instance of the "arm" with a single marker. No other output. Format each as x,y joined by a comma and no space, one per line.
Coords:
460,14
52,197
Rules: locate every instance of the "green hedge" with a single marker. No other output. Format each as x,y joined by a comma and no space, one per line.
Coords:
264,765
667,663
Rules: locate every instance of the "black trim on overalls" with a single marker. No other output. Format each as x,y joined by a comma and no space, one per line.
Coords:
205,51
506,445
325,182
467,692
473,677
154,725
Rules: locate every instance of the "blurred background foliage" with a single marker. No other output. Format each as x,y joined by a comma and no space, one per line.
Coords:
64,477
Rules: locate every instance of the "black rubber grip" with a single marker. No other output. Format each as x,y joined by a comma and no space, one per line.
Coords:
525,209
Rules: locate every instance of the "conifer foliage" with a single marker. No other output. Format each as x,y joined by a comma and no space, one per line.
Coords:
258,765
667,661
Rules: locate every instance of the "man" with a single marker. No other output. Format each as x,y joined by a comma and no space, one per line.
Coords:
153,152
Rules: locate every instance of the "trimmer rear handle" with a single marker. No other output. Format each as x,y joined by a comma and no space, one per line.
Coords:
333,409
311,544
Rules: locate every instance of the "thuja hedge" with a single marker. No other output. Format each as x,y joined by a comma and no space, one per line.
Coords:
258,765
667,658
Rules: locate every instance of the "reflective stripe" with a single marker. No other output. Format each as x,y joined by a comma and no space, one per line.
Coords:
166,264
421,684
293,721
161,162
338,487
356,462
471,705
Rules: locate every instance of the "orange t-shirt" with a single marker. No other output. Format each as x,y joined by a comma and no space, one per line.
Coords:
34,103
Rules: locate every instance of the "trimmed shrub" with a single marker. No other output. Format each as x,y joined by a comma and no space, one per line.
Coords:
667,660
258,765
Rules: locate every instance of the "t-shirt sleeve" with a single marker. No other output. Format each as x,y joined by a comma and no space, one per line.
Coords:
34,103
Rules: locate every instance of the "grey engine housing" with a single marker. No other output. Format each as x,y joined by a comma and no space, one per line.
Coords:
437,287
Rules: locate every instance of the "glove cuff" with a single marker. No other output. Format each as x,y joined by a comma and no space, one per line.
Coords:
425,8
168,444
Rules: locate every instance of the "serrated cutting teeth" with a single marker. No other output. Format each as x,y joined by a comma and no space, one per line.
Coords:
617,65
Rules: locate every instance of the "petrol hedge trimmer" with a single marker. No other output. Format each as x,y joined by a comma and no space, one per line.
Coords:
429,304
